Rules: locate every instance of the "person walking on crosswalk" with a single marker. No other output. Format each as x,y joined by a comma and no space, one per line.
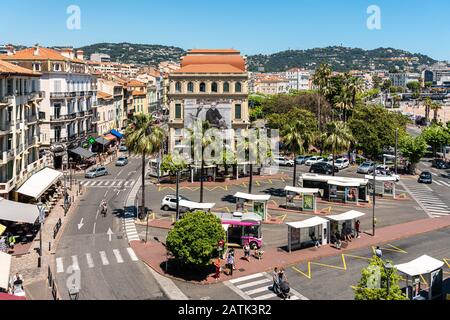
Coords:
378,252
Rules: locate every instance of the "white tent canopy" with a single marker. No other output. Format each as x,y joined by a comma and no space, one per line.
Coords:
39,182
5,269
422,265
18,212
308,223
301,190
195,205
343,183
382,178
252,197
349,215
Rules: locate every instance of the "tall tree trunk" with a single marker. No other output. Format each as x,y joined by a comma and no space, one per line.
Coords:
143,187
178,195
250,183
334,151
318,108
294,182
201,179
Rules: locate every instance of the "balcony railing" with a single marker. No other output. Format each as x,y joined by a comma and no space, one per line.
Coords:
6,99
5,127
36,95
65,117
58,140
62,95
80,114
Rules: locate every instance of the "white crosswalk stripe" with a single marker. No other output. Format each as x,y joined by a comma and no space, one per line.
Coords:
88,260
130,229
432,205
107,183
258,287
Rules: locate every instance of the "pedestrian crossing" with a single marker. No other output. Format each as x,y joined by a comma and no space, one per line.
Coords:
432,205
107,183
441,183
90,261
258,287
130,229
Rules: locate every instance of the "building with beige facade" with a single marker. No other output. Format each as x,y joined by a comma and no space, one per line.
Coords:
20,99
211,85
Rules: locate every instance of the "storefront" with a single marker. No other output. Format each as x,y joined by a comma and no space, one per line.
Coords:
307,233
304,199
258,203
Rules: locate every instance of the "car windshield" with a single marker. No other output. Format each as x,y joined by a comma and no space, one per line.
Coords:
121,159
426,175
339,161
366,164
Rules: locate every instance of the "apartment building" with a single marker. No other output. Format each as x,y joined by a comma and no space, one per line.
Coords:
271,85
104,116
120,69
70,94
116,91
211,85
137,97
20,99
402,79
154,80
299,79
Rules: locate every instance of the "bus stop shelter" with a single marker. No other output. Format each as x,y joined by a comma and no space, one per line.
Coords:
259,203
384,186
308,197
425,268
344,222
343,191
305,233
193,206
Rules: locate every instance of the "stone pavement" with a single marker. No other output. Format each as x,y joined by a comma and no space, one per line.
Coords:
154,253
35,279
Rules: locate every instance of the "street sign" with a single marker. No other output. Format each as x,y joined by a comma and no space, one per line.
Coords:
91,140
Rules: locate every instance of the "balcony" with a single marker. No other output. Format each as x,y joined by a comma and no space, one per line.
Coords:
6,100
5,128
36,95
61,118
5,156
58,140
7,186
31,119
62,95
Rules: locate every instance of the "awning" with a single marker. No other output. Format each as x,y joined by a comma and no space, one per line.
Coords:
195,205
83,152
422,265
5,269
308,223
382,178
2,229
349,215
252,197
301,190
39,182
17,212
110,137
116,133
102,141
7,296
344,184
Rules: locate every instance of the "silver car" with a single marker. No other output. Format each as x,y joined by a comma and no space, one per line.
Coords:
96,172
366,167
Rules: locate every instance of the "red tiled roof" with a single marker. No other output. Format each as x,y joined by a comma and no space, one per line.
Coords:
209,68
6,67
44,54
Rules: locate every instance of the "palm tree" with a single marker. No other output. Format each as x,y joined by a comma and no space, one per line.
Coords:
321,79
338,138
343,102
428,102
296,135
435,107
143,137
200,141
250,152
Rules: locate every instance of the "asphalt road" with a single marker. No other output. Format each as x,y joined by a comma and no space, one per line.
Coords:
107,267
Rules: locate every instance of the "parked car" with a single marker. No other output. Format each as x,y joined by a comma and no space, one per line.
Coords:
425,177
366,167
340,163
302,159
96,172
122,161
313,160
123,148
323,168
169,202
384,171
283,161
440,164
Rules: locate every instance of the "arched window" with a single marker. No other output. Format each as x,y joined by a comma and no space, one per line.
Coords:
190,87
214,87
226,87
238,87
202,87
178,87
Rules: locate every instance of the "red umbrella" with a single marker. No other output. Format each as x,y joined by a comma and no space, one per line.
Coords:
7,296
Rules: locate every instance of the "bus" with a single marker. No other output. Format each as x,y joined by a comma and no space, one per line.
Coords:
242,229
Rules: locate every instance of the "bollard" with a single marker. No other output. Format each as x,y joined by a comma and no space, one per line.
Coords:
49,246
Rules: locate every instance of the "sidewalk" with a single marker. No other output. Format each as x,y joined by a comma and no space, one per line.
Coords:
154,253
35,279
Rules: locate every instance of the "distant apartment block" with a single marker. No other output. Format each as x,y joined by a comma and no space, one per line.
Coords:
100,57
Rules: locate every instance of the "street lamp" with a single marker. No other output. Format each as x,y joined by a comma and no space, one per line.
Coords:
40,207
389,268
373,197
396,149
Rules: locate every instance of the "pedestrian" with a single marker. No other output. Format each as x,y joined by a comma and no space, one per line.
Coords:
378,252
357,228
3,245
276,279
230,263
220,248
247,252
218,268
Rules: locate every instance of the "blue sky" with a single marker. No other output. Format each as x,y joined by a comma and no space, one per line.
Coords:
252,26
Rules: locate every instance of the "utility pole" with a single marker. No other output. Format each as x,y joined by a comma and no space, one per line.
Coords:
373,199
396,150
178,195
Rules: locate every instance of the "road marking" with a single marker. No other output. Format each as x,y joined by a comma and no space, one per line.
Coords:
132,254
118,256
93,231
266,296
439,184
445,183
252,284
59,265
89,260
104,258
262,289
75,265
253,276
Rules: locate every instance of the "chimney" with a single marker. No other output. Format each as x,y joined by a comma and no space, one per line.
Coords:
10,50
36,49
68,53
80,54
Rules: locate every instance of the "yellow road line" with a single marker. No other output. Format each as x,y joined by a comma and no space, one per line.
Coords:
447,262
302,273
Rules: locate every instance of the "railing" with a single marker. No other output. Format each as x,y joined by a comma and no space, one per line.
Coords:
59,95
52,284
36,95
80,114
56,228
63,117
6,99
61,140
5,126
